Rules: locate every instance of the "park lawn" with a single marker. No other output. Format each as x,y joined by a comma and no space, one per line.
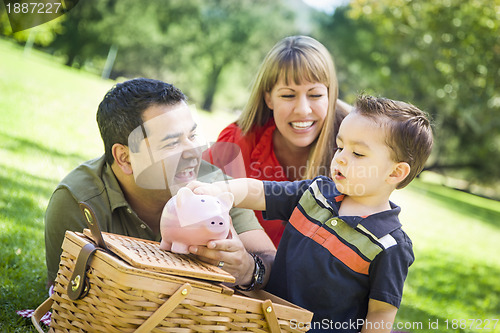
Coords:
48,127
455,277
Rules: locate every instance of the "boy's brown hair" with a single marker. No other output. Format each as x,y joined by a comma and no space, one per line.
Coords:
409,133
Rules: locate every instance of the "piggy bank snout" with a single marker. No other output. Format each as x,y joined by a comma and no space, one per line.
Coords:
216,223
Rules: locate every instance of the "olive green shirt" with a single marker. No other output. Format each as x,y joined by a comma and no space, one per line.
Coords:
94,183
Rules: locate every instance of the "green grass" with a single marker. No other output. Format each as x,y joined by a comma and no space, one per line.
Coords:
456,242
48,127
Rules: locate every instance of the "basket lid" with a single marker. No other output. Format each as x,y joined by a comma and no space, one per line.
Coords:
147,254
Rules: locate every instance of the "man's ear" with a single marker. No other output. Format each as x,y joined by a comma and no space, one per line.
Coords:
269,100
399,173
122,158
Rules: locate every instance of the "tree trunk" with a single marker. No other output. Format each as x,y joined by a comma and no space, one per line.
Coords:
211,87
110,60
71,56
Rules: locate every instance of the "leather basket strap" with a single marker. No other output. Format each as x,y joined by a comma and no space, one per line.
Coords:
78,285
93,224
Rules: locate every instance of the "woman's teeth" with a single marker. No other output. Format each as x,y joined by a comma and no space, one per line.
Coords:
301,124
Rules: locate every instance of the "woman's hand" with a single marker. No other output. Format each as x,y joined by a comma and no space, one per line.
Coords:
231,252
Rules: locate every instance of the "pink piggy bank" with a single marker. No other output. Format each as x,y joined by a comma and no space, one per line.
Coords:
192,219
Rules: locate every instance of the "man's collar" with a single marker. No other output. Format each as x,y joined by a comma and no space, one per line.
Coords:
115,193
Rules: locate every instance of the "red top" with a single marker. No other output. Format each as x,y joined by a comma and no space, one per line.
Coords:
257,160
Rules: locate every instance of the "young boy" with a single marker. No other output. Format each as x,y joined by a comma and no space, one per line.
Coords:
343,254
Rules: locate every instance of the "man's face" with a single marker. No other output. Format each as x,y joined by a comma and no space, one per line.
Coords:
169,151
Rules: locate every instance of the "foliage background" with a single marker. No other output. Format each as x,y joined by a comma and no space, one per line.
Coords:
443,56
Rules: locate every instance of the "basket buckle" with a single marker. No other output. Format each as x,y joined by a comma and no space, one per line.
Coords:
79,283
75,283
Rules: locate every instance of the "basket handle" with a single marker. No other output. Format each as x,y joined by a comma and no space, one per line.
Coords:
270,315
40,312
165,309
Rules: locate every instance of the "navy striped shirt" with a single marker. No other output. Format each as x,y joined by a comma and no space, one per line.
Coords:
332,265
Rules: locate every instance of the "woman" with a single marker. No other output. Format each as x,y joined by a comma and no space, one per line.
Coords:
288,127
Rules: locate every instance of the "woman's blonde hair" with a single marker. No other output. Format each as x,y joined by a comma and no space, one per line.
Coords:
301,59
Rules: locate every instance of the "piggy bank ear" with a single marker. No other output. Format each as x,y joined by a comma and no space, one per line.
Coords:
226,199
182,196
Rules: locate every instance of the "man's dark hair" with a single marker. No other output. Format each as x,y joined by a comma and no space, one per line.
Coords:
120,112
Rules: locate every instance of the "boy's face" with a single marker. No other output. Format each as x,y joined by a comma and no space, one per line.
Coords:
363,162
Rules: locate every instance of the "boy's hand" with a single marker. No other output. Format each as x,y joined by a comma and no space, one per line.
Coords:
204,188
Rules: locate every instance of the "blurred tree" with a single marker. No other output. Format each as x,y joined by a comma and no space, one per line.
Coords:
189,42
225,32
136,29
441,56
80,41
41,35
146,33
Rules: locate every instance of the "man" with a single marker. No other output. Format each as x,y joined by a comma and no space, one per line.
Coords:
128,187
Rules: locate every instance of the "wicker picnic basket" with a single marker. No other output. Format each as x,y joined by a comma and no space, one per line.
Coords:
140,288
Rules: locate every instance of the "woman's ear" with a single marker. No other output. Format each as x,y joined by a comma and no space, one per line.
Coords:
122,158
399,173
269,100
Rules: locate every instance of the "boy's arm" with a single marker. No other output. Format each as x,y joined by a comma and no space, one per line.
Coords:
380,317
248,193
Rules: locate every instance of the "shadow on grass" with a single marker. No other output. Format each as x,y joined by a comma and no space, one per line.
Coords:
445,199
22,268
23,197
21,194
446,282
23,146
412,319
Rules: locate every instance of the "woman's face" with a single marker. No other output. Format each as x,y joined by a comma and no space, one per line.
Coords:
299,110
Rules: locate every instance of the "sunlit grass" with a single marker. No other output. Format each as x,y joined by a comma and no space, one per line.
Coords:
456,242
48,127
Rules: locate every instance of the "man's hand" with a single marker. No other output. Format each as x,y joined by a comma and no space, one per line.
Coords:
231,251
